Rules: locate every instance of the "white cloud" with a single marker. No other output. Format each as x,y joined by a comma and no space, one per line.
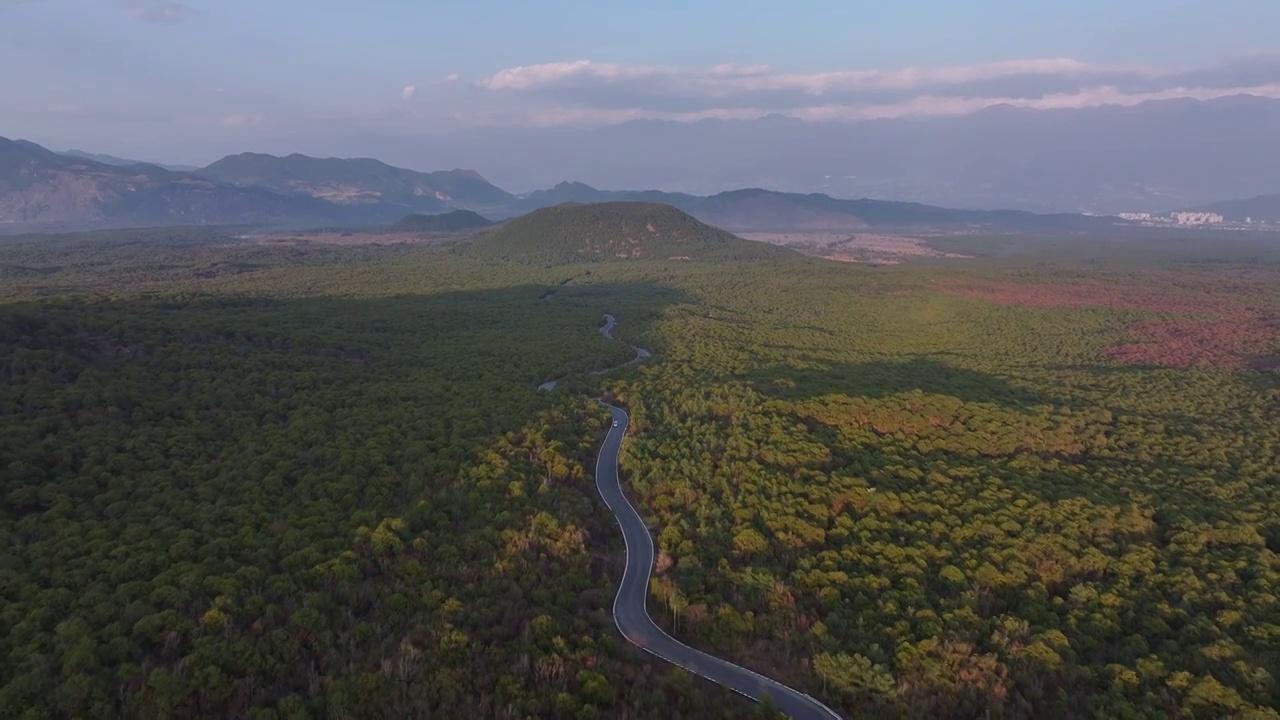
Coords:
451,78
408,92
921,106
533,77
730,76
927,105
585,92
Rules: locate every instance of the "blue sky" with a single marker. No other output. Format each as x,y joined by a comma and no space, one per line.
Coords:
198,77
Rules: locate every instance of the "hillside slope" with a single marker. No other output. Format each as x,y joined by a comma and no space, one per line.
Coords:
1264,208
614,231
41,187
359,181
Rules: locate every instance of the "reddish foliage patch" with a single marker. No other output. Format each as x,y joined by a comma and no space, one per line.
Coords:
1093,293
1223,343
1220,326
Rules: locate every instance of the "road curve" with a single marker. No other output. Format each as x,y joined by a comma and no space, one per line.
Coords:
607,331
632,617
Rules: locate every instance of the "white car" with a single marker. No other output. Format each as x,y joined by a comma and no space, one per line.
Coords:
615,423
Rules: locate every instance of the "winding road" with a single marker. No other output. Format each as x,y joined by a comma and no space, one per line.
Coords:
607,331
632,616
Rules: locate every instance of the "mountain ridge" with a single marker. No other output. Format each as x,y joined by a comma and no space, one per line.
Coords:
359,181
41,187
256,188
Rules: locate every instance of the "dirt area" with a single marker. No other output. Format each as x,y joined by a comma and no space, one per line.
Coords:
853,247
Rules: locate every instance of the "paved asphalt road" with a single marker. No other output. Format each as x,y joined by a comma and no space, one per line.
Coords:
633,619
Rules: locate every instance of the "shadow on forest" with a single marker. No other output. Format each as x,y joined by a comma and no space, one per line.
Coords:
516,332
1263,381
270,434
882,378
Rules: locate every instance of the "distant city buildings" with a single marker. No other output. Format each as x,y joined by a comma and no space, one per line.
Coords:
1197,218
1183,219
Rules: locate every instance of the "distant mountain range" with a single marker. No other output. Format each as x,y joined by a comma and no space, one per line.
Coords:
41,188
450,222
360,182
1107,159
756,209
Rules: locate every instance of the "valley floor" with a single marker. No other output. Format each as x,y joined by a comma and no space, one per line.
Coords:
290,480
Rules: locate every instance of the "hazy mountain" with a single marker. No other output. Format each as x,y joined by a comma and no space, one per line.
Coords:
757,209
1153,156
1148,157
574,192
614,231
360,182
577,192
41,187
1264,208
122,162
454,221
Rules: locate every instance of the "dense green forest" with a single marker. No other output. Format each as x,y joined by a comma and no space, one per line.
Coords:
291,480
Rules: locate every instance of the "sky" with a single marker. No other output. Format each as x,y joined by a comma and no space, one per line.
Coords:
187,81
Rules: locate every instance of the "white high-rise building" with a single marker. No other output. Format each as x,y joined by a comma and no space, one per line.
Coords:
1197,218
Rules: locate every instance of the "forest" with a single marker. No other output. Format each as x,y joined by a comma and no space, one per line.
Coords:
291,480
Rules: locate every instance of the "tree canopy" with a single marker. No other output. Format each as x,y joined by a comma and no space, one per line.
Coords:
289,480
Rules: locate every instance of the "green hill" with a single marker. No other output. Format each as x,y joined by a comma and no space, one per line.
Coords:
456,221
614,231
